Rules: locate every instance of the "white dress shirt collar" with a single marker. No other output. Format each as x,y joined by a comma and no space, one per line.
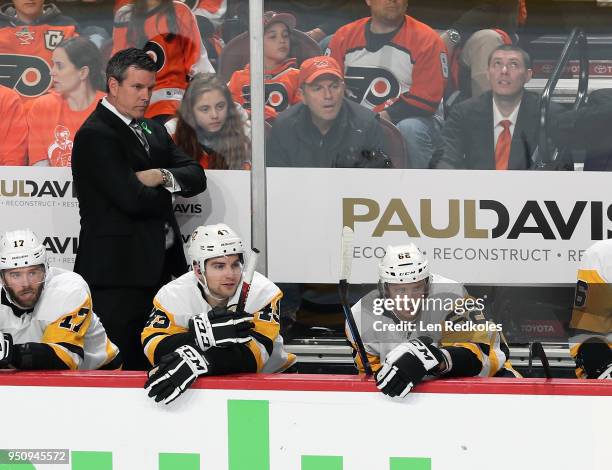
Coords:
498,117
114,110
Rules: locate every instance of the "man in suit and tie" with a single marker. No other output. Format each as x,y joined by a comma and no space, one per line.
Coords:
126,169
499,129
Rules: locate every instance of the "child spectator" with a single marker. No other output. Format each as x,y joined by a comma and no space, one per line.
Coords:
209,126
281,74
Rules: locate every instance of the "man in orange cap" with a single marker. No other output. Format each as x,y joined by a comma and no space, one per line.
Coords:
325,130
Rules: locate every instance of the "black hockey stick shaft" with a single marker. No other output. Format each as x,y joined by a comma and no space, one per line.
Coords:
247,278
537,350
346,258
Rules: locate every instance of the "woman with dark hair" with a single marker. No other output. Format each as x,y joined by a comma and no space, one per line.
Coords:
168,32
210,127
54,118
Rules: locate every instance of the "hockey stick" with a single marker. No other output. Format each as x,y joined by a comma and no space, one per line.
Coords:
537,350
346,258
247,277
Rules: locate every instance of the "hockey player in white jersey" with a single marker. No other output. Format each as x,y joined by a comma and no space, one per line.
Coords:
591,342
418,324
46,317
194,329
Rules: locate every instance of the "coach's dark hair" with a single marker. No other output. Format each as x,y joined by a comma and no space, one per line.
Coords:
512,47
84,53
131,57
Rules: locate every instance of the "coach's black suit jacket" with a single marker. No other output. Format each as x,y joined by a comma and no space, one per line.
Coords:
122,238
468,134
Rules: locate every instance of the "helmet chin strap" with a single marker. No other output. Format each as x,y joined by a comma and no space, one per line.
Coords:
207,291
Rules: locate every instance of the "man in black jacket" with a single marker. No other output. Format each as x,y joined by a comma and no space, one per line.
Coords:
325,130
498,129
125,170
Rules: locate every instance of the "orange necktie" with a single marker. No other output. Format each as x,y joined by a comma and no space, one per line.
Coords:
502,149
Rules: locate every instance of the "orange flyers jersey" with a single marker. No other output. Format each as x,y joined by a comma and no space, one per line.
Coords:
13,129
25,56
412,65
177,57
51,138
281,87
181,299
63,319
214,10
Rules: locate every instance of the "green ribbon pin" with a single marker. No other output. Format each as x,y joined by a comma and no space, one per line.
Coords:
145,128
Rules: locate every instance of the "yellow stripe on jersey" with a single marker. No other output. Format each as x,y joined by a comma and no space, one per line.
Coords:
161,321
111,353
66,335
65,356
267,324
372,359
592,306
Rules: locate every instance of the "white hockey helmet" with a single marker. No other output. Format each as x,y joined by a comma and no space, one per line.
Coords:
212,241
20,249
403,264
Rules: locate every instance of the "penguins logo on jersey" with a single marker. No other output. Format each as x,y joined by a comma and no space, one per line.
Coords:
276,96
157,54
53,38
371,86
30,76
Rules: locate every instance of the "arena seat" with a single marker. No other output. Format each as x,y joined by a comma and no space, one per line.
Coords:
395,145
235,54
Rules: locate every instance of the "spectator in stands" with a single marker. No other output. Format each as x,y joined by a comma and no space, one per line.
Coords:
478,32
209,126
29,32
13,129
326,129
54,118
398,67
320,18
281,74
168,32
498,129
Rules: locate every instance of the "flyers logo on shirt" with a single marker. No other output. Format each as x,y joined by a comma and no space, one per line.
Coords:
157,53
60,151
25,36
371,86
29,76
276,96
53,38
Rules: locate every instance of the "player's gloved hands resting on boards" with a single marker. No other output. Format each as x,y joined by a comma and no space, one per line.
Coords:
406,365
220,327
175,373
6,349
607,372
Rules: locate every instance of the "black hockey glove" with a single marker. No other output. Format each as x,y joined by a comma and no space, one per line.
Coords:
595,357
6,350
175,373
607,372
407,365
220,327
